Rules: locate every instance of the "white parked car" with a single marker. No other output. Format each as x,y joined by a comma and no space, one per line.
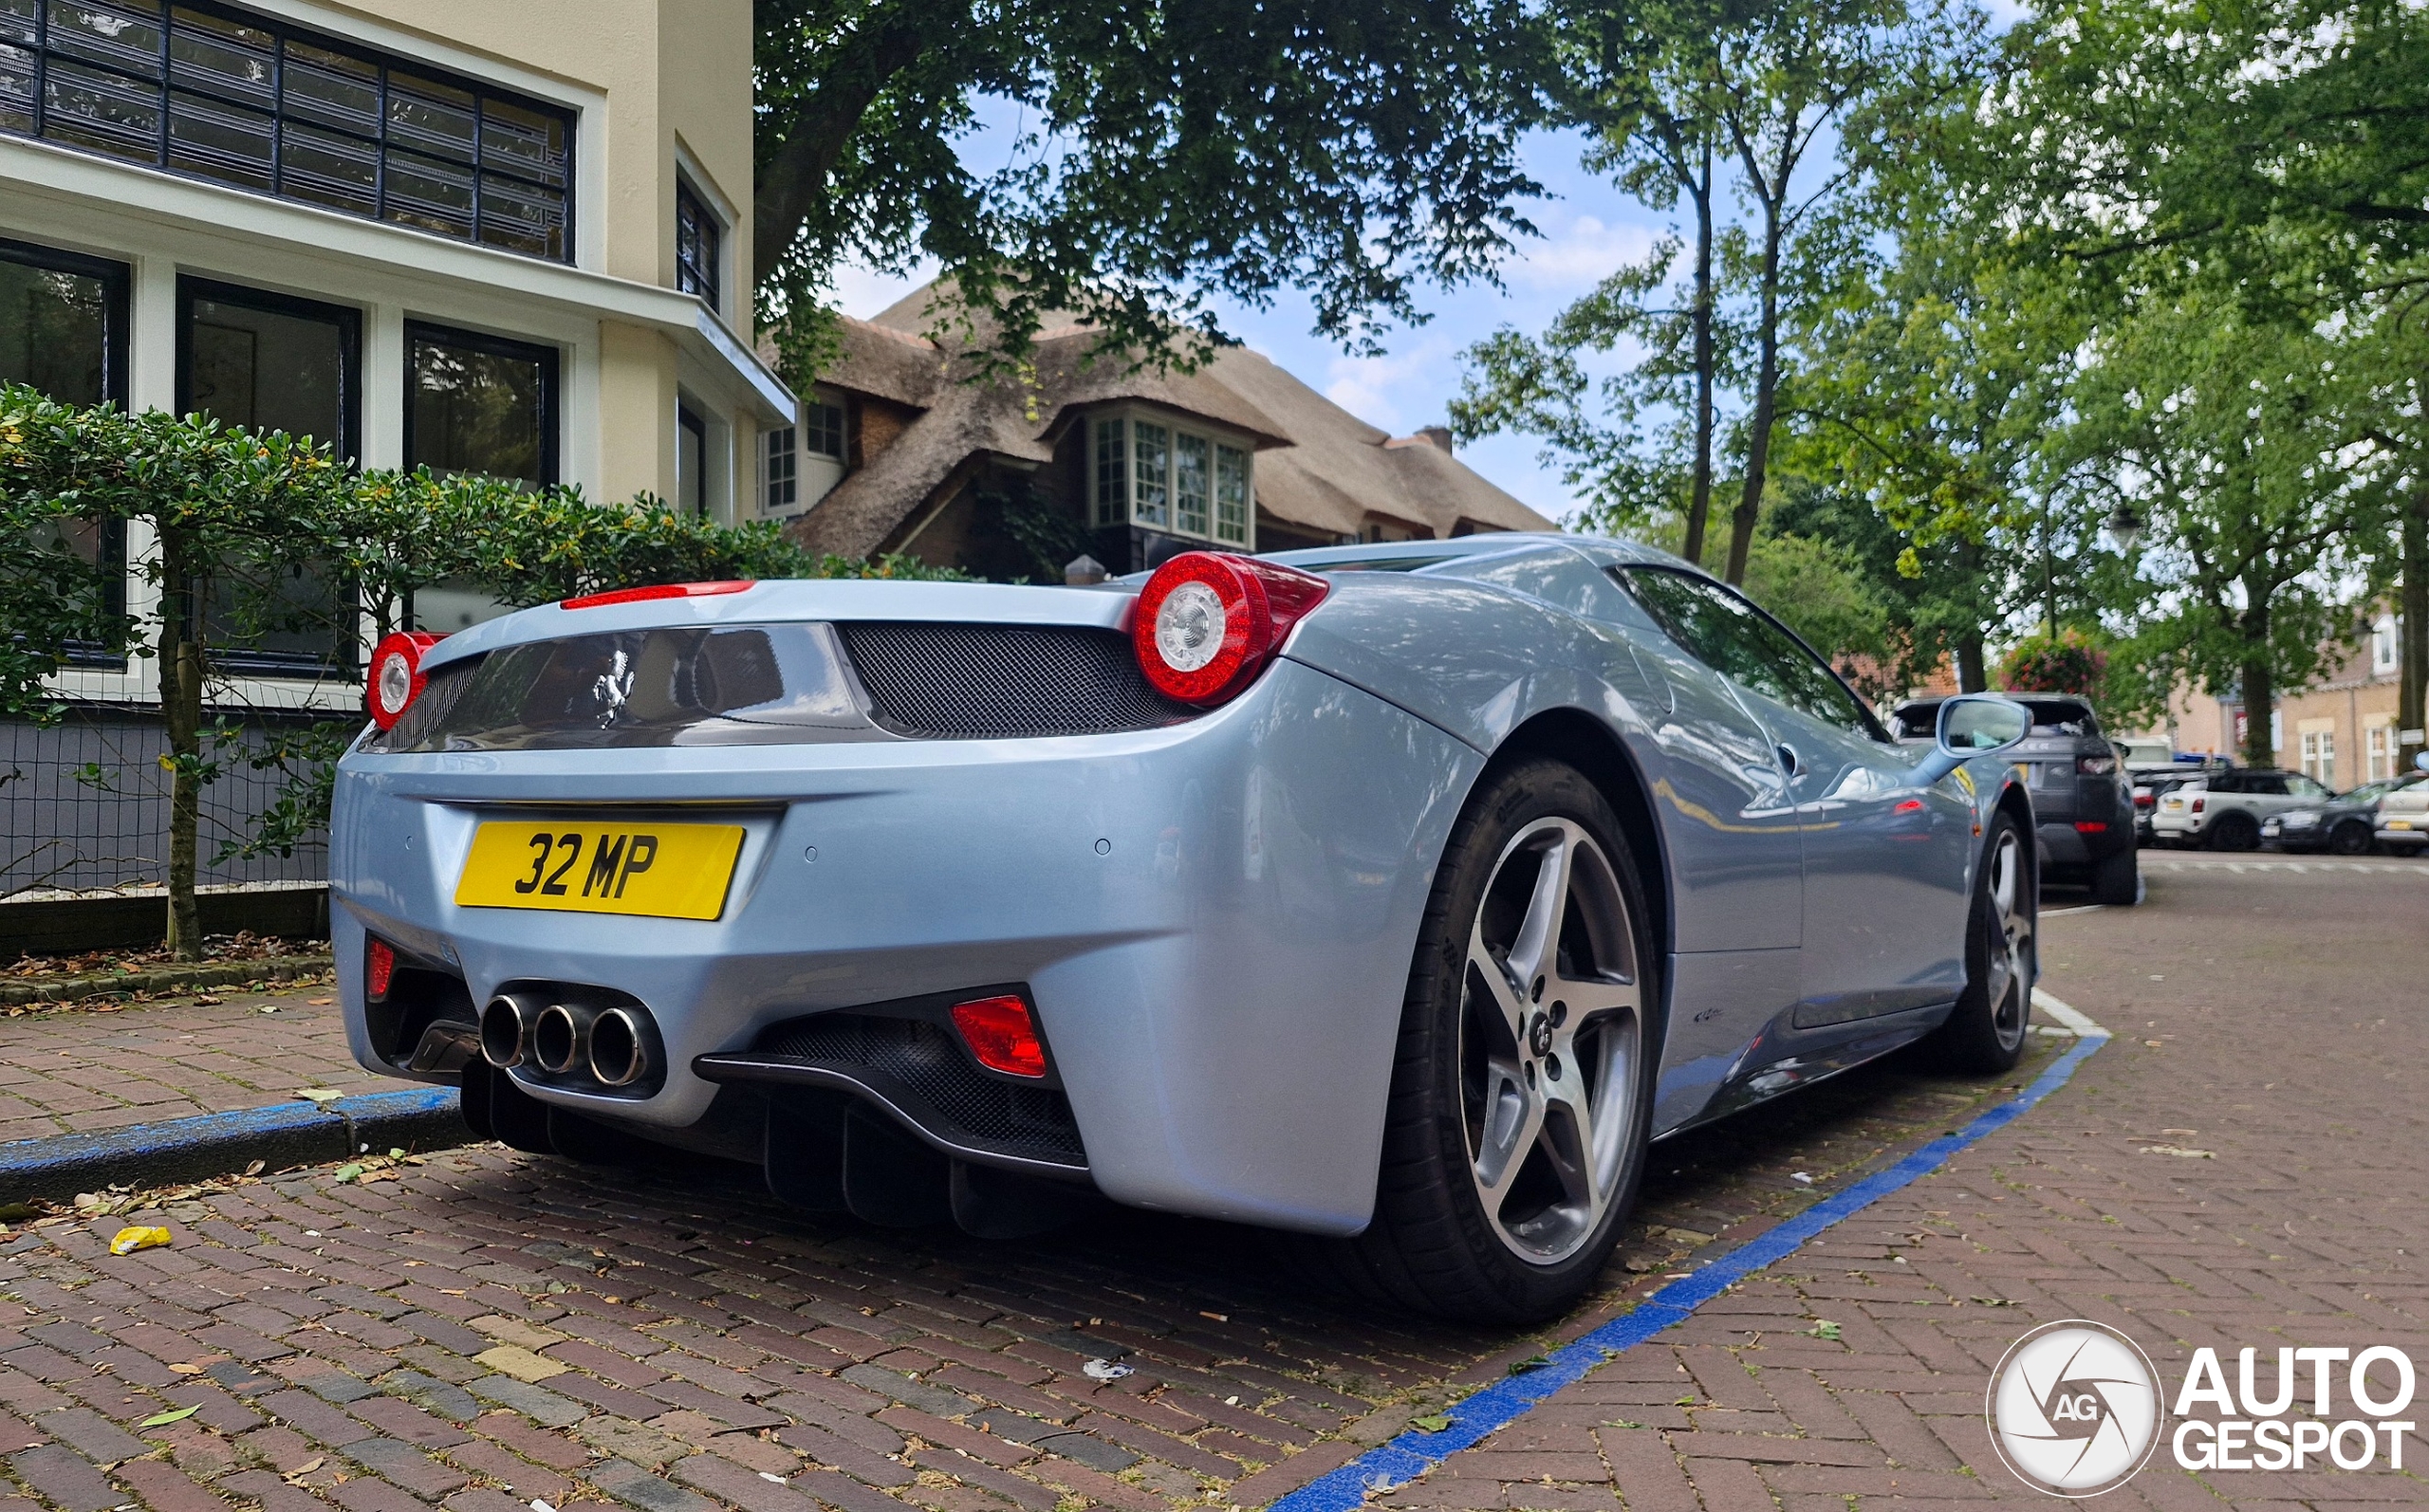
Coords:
2403,819
2224,810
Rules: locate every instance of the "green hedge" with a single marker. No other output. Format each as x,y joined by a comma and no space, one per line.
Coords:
240,527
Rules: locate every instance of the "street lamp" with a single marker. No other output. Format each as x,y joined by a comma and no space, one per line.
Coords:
2124,527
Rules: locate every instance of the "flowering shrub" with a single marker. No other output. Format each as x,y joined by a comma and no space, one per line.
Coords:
2067,662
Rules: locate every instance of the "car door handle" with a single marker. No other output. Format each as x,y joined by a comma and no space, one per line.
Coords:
1788,762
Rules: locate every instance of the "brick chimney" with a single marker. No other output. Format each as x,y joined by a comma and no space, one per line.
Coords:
1437,436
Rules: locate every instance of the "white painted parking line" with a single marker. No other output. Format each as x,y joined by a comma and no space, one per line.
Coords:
2080,907
2073,1020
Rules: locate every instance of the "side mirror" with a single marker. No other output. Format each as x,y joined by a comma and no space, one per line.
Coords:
1972,724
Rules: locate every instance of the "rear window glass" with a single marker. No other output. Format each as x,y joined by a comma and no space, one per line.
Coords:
728,685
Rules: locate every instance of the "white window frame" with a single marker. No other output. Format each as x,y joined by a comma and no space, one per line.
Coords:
2379,743
2385,645
2319,756
1115,482
779,472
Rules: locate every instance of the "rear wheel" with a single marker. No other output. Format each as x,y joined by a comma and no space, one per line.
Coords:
1985,1031
2235,832
2117,881
1522,1091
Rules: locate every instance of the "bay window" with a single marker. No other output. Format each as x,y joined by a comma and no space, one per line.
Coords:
1168,478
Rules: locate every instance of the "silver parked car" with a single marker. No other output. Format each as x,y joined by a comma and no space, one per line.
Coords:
1398,895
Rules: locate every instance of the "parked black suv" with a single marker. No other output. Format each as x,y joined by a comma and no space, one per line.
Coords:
2081,799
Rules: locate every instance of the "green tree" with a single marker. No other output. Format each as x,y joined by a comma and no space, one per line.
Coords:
1769,88
2274,151
2245,438
1352,149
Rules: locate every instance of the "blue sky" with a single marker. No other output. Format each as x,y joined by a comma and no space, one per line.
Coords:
1589,227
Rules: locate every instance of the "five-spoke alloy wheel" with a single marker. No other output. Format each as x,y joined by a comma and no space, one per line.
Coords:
1522,1092
1550,1041
1985,1031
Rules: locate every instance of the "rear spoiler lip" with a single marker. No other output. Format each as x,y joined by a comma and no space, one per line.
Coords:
813,599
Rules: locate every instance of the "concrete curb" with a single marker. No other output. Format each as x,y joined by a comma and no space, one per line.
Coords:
162,979
219,1144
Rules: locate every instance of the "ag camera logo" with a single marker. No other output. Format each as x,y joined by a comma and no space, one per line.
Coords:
2074,1408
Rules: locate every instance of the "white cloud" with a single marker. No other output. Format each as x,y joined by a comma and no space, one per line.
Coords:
1573,259
1388,391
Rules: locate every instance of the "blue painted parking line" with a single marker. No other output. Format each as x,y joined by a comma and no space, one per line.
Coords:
1496,1407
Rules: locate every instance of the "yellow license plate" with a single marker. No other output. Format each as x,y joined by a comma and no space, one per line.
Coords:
664,870
2399,823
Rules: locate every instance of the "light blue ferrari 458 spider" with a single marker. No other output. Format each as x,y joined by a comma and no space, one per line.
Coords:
1399,895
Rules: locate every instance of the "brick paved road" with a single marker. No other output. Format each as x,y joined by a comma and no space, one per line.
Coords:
486,1328
675,1340
75,1069
2272,1019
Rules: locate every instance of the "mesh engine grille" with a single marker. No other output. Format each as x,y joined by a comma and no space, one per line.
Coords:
438,694
1033,1121
969,682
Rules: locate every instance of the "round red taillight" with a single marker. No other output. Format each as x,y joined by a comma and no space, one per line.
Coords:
1208,621
396,675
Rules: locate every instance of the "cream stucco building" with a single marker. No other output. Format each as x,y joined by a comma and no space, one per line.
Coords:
511,239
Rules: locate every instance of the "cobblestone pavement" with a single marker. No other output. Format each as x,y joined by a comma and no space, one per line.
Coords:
82,1068
2240,1167
483,1329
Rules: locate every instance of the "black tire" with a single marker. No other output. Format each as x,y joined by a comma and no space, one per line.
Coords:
2235,832
1434,1245
2117,881
2350,837
1984,1034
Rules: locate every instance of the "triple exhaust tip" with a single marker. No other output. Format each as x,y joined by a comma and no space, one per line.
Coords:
562,1036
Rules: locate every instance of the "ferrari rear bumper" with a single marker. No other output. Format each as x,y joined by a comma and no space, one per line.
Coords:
1212,919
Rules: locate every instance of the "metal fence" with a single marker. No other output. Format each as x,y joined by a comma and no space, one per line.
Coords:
85,804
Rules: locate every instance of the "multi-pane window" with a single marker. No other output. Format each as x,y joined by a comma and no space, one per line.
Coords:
1147,473
823,429
1231,494
2319,755
2382,751
1151,488
784,472
697,234
239,98
2384,642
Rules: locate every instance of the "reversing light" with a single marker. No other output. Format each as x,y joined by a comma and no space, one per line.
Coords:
2095,765
1001,1034
1208,621
396,677
378,968
657,590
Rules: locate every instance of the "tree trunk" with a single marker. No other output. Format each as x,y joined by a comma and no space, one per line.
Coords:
2412,636
181,708
1971,676
1699,503
2259,684
888,41
1758,429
